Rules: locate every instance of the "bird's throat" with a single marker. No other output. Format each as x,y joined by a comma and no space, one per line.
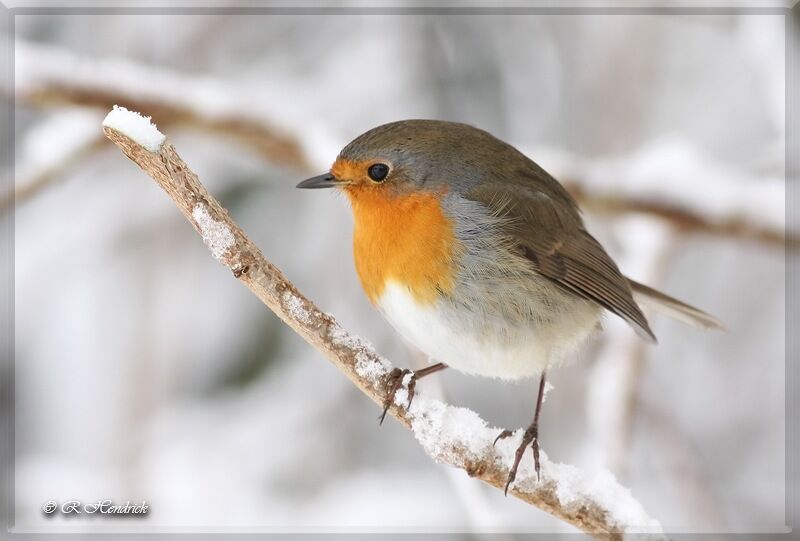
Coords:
403,238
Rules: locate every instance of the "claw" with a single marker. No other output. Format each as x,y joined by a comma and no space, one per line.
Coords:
502,435
395,381
412,386
395,378
511,477
529,438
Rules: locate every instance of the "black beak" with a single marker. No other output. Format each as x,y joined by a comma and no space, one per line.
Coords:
320,181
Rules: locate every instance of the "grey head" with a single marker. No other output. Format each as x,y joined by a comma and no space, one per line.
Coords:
431,154
440,156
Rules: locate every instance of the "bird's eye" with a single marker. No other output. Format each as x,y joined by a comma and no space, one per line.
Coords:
378,171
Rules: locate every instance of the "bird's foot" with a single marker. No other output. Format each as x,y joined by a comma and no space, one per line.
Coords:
530,437
395,380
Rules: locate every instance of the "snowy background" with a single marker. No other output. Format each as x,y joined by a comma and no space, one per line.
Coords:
143,371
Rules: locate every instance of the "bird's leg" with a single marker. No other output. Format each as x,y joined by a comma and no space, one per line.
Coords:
531,437
396,377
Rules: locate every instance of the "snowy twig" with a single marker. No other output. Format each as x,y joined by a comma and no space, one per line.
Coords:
450,435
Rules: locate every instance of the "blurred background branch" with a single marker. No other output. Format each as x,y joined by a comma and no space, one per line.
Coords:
56,78
734,225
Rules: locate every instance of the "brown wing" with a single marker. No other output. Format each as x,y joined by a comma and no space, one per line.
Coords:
545,224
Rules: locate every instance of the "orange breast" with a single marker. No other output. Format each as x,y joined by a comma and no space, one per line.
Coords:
403,238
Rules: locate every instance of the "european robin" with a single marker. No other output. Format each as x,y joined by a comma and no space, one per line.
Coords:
478,257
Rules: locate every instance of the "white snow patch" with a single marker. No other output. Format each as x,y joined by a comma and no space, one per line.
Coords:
371,368
369,365
401,397
441,428
547,388
137,127
342,338
216,235
574,488
295,307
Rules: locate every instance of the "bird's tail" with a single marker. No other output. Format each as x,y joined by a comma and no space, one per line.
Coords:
647,296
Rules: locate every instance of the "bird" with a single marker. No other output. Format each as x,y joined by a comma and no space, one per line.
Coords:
480,258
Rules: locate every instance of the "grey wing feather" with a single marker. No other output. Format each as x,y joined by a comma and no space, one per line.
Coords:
551,236
580,264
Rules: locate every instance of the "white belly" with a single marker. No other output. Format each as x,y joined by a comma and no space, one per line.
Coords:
467,346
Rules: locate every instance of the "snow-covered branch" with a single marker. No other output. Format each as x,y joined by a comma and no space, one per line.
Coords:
450,435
